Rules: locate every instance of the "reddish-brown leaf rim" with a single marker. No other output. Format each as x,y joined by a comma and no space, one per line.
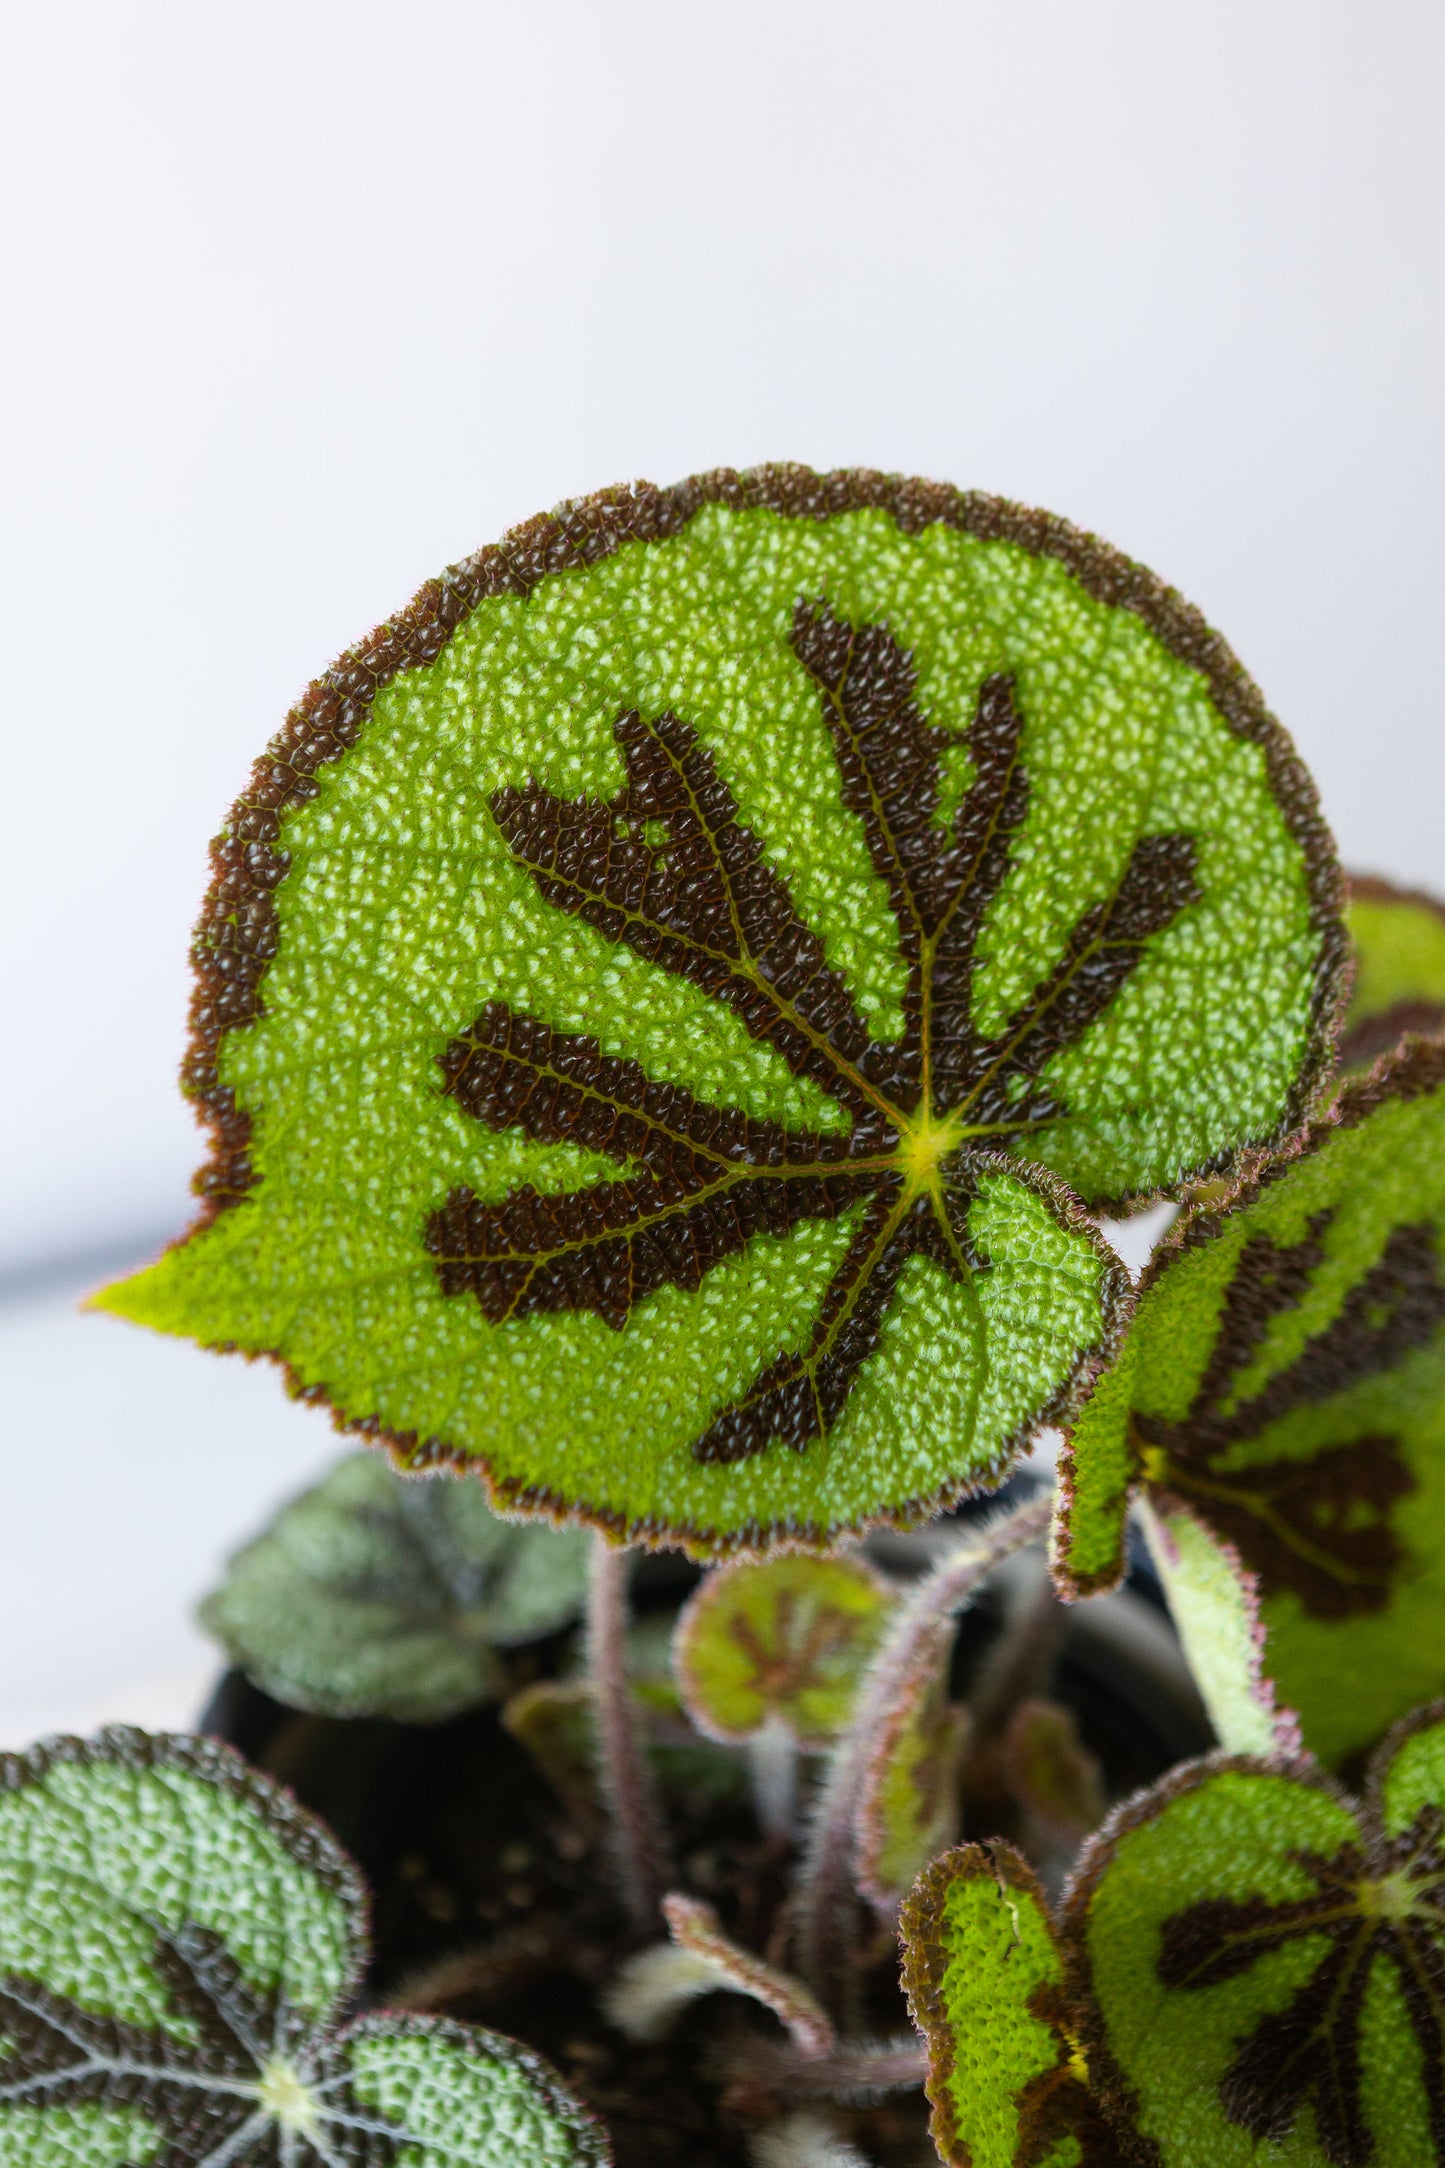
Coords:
236,937
1051,2106
1106,2076
1409,1071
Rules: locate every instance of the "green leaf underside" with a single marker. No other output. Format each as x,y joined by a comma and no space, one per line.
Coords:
374,1594
1286,1382
786,1639
985,1983
177,1940
908,1807
671,983
1214,1602
1266,1965
1398,939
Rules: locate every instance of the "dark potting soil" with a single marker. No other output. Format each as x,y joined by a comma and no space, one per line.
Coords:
493,1900
494,1903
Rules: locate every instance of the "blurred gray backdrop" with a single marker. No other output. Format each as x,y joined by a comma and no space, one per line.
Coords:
306,300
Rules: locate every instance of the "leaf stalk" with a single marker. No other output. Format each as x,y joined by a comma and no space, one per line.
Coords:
639,1844
827,1909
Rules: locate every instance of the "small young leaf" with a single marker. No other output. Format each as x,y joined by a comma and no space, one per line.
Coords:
907,1807
786,1639
984,1979
374,1594
1263,1965
554,1720
1051,1773
1398,938
1285,1382
654,990
655,1985
178,1942
694,1927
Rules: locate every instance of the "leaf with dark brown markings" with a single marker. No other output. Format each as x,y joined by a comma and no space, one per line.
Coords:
1281,1400
1398,939
1259,1965
667,868
984,1977
809,895
179,1945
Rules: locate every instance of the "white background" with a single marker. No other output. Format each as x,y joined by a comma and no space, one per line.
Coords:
304,301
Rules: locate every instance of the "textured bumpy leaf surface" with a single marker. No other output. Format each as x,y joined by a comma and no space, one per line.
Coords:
374,1594
653,990
177,1943
788,1639
1285,1381
1265,1963
1398,939
985,1984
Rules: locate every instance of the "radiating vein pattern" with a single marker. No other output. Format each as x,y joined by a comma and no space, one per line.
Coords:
1319,1525
247,2081
1383,1901
180,1949
669,870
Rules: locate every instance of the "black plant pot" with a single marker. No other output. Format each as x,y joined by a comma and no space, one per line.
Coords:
492,1901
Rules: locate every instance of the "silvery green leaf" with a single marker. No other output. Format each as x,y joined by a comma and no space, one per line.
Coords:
376,1594
179,1944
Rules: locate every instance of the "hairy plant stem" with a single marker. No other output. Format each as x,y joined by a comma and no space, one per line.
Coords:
639,1844
827,1906
773,1768
851,2070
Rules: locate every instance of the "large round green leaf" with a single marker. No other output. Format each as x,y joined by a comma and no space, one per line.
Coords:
653,989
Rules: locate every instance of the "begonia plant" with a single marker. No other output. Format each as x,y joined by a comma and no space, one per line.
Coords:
677,1012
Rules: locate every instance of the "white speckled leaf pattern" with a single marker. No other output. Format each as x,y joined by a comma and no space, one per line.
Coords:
1066,741
375,1594
177,1942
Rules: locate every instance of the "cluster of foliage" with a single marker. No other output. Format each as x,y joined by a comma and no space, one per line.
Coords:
671,1010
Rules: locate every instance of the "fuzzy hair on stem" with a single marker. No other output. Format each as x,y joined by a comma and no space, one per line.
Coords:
639,1842
827,1906
855,2071
773,1769
805,2140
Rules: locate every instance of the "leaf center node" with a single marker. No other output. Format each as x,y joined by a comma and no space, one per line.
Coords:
924,1146
287,2099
